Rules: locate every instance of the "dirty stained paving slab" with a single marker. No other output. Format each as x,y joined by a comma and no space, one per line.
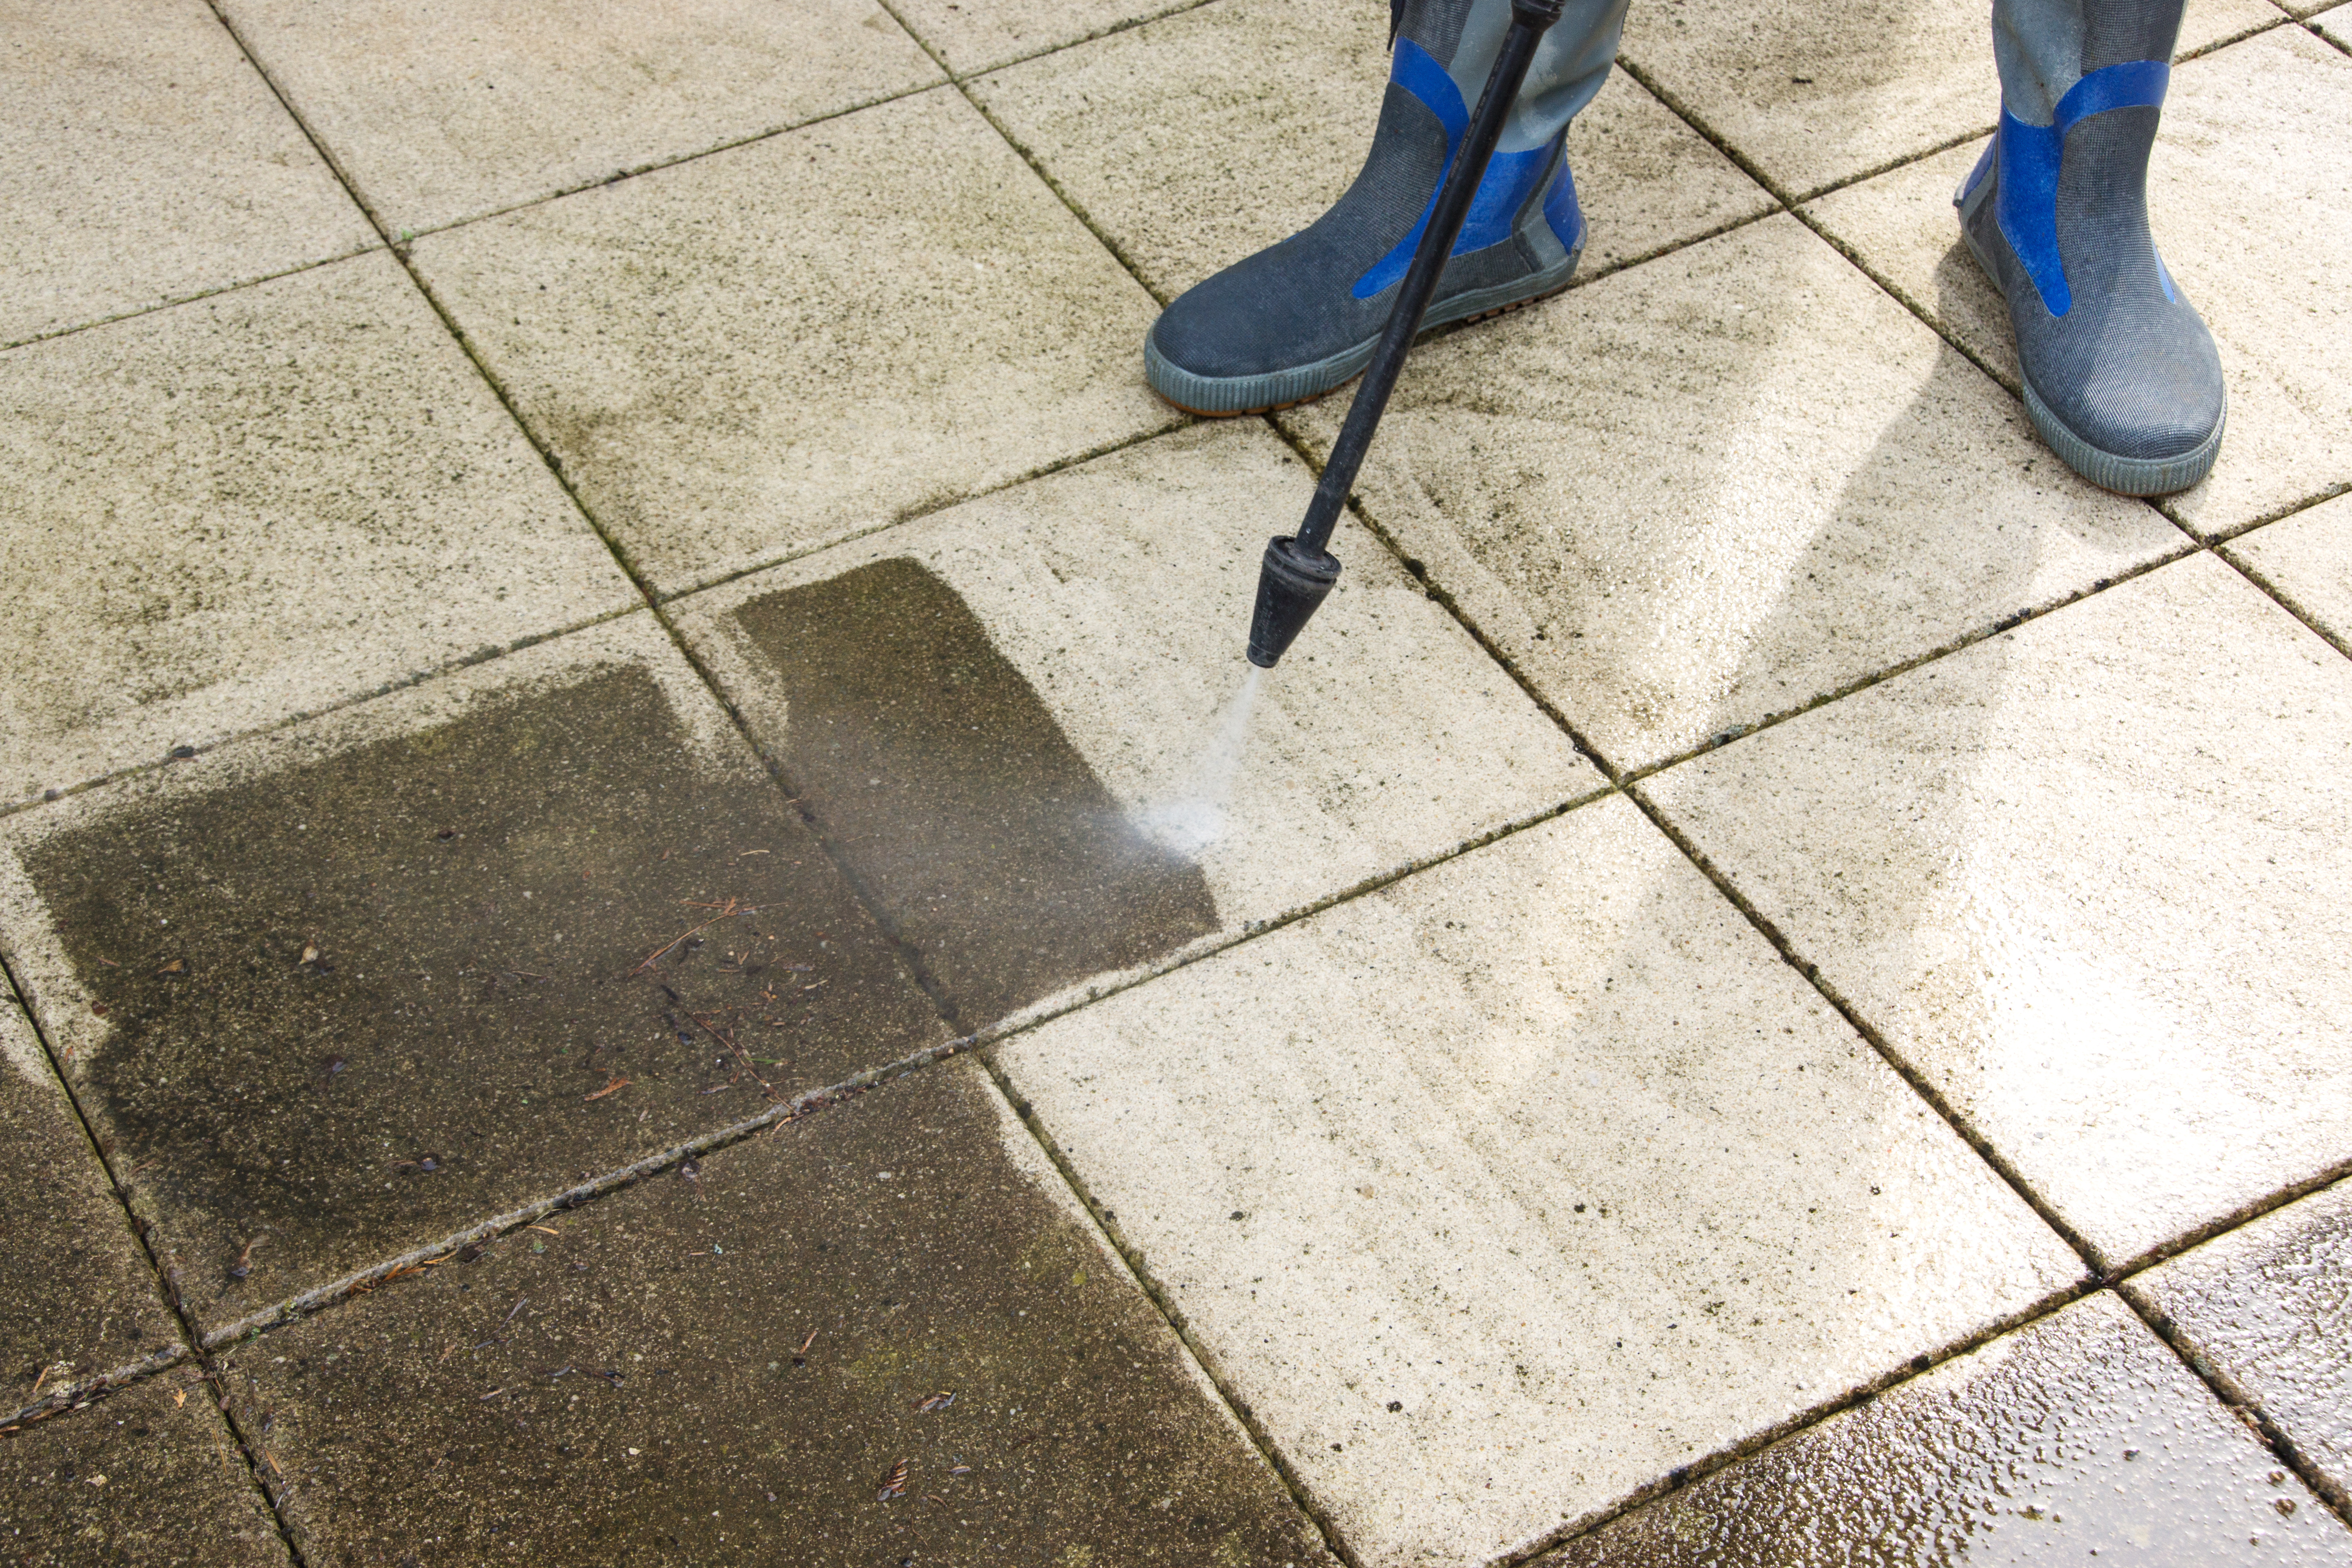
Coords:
145,160
1000,716
2307,561
1500,1193
2081,876
791,343
979,37
1781,484
1813,95
1197,140
736,1362
338,993
150,1475
2078,1436
2268,1309
442,110
2250,200
259,505
79,1301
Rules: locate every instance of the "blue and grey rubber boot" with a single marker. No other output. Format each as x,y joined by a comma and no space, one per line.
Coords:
2121,376
1301,317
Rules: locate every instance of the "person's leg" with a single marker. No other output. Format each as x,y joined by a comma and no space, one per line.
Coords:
1301,317
2121,376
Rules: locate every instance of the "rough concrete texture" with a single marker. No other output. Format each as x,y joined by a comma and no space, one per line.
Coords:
1200,139
1094,621
2268,1308
149,1476
1721,486
78,1300
2079,1436
2077,875
446,109
781,346
145,161
1814,95
977,37
2335,25
2250,199
1501,1191
257,505
883,1334
338,993
2307,561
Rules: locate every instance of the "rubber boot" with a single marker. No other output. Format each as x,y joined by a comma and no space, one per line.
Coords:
2121,376
1301,318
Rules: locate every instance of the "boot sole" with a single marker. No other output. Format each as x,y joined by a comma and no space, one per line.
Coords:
1230,397
2108,471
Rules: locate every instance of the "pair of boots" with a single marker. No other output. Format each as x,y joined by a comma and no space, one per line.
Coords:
2121,376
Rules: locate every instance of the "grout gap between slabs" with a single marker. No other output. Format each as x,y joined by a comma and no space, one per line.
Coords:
213,292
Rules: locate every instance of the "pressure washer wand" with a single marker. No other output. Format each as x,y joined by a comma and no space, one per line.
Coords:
1298,570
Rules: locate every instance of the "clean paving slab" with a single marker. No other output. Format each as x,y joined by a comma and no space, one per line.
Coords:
79,1302
444,109
1815,95
979,37
257,505
882,1334
1722,485
150,1475
1502,1194
2307,561
341,991
2335,25
2085,877
1195,141
144,160
2267,1310
2078,1436
785,344
1017,721
2250,193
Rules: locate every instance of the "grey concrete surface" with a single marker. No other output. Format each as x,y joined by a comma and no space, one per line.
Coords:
2307,561
145,161
2070,873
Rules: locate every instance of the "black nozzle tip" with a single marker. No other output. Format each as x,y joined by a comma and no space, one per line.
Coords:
1291,583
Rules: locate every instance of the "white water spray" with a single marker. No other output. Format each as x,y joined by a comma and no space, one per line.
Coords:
1194,815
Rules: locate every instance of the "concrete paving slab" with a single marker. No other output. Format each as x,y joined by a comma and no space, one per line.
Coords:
446,109
1195,141
979,37
1817,95
783,345
2306,560
341,991
149,1476
1007,718
146,161
2335,25
2268,1308
2084,875
1503,1193
883,1334
2079,1436
1722,485
259,505
2252,204
79,1302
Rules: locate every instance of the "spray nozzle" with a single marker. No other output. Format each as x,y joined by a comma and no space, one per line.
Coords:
1291,582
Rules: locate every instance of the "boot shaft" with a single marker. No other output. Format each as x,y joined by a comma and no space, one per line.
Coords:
1461,38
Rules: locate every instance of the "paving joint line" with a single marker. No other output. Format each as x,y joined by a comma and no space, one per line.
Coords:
166,1279
213,292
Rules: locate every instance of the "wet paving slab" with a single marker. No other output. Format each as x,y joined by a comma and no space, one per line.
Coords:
1006,719
1504,1192
334,994
2267,1311
2084,877
148,1476
2079,1436
881,1334
77,1302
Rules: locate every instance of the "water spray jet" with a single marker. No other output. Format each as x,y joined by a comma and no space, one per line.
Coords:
1298,570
